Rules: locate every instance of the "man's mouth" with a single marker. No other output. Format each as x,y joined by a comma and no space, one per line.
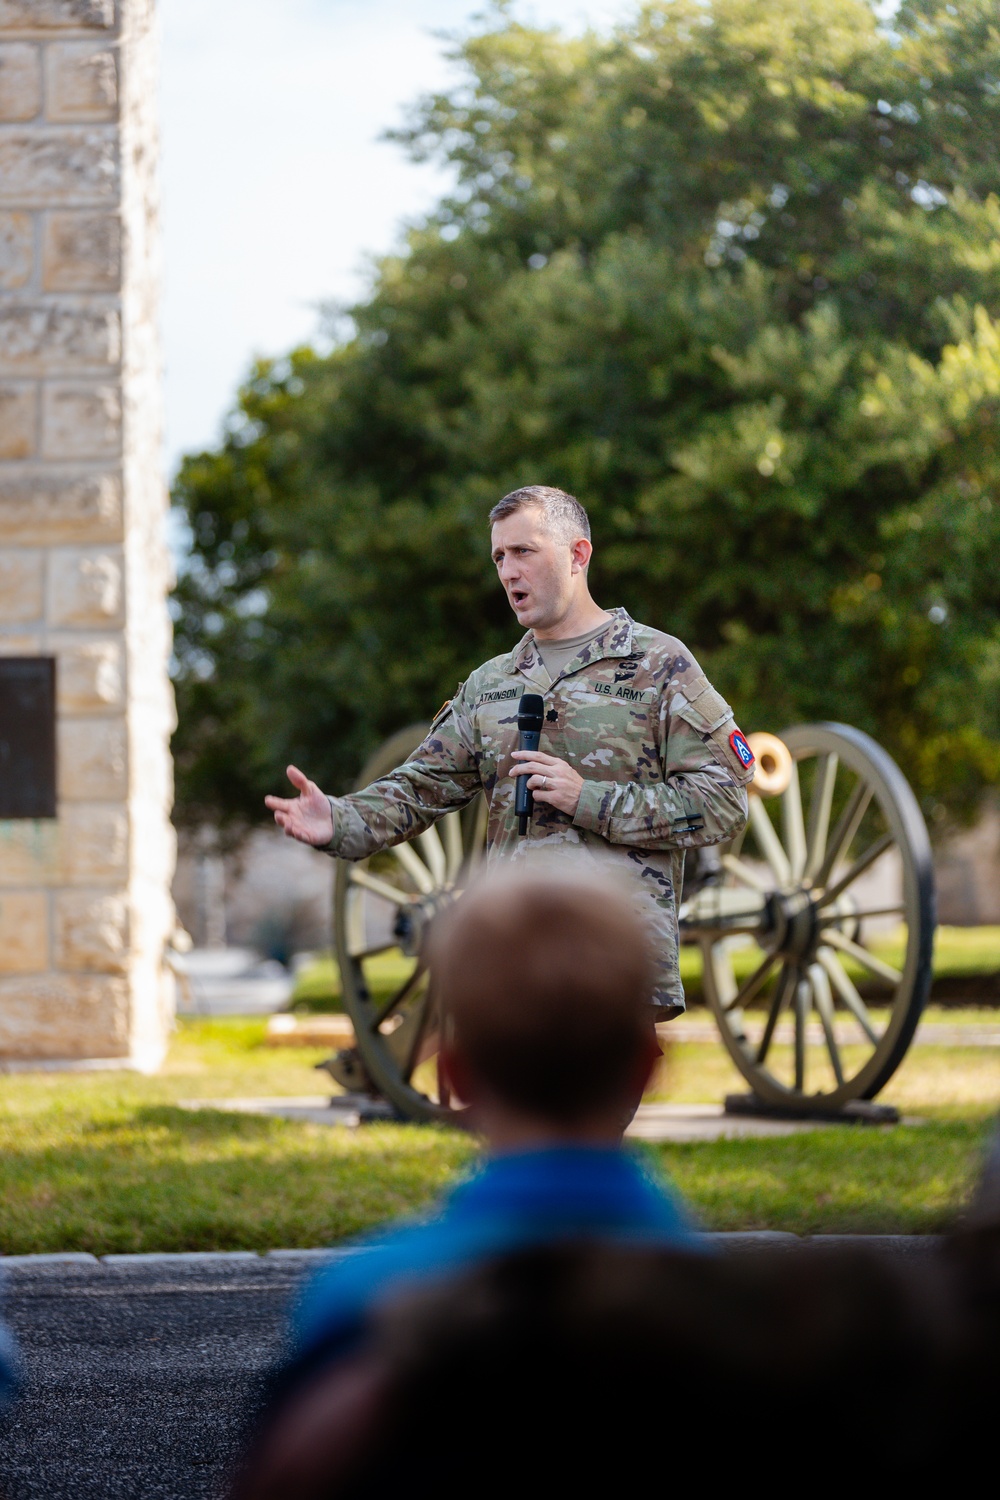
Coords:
518,597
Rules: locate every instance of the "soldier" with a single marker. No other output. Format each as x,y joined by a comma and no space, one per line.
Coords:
642,757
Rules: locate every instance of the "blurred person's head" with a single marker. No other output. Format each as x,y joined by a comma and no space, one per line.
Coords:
545,985
540,544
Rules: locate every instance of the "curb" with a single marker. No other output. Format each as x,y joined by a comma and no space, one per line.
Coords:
731,1239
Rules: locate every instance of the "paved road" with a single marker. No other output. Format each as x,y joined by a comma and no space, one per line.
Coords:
141,1374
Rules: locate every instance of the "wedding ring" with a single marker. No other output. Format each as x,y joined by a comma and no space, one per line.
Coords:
545,782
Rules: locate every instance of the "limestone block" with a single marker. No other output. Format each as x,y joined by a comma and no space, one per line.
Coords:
81,421
86,845
17,250
47,508
57,164
63,1015
85,587
29,851
22,585
90,932
91,758
18,425
20,81
81,252
17,643
94,843
90,675
44,15
37,337
24,932
81,82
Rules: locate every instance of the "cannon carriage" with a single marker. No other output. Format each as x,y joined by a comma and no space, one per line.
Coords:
815,928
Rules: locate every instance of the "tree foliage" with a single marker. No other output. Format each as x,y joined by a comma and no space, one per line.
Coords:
732,276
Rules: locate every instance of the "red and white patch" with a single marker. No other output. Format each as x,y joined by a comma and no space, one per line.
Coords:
740,748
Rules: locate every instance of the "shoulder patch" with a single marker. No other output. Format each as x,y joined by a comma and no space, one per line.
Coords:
740,747
445,707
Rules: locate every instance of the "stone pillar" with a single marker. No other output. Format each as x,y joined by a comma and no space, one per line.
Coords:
85,910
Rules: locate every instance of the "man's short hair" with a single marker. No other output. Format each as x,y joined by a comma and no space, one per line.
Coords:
563,512
545,982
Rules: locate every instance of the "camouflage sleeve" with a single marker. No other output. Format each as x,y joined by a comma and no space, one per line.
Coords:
702,797
442,774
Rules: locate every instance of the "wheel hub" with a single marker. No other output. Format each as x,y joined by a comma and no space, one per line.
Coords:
412,922
790,926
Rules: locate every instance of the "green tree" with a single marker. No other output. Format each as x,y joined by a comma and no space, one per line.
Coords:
732,276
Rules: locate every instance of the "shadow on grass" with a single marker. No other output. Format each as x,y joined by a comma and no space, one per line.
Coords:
157,1177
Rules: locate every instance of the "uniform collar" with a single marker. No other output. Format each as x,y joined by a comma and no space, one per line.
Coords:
615,640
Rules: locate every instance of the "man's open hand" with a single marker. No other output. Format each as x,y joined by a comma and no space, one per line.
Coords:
306,817
550,780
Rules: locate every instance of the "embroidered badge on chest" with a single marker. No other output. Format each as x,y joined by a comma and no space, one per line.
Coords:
738,741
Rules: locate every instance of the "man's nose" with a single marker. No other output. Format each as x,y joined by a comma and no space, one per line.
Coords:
510,570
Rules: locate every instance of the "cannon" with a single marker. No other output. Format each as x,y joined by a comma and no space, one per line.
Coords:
815,927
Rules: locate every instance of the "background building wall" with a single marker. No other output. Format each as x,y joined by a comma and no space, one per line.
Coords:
85,909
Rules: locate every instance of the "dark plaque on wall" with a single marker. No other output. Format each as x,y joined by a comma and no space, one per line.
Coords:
27,737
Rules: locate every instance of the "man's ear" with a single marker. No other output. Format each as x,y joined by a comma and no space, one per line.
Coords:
581,552
457,1074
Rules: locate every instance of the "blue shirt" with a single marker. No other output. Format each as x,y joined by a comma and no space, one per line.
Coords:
512,1202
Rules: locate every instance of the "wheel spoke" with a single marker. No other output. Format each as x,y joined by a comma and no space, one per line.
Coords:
433,852
794,824
859,866
847,826
414,1032
379,887
861,955
741,872
801,1018
842,983
823,1000
768,841
395,1001
415,868
750,987
819,811
782,994
451,828
363,953
875,911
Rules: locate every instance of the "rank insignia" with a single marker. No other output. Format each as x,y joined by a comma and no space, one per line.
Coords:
740,747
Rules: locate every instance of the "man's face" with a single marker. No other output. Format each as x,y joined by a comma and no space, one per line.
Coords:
539,572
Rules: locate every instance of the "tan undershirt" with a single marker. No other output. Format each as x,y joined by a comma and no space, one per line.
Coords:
558,654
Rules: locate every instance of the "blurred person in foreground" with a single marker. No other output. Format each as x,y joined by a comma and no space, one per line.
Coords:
640,758
545,986
531,1373
11,1375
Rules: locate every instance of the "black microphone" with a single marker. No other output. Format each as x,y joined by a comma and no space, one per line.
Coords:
529,732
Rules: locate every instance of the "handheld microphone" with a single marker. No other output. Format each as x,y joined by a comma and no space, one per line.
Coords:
529,727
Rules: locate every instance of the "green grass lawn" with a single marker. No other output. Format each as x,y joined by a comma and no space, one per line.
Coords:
111,1162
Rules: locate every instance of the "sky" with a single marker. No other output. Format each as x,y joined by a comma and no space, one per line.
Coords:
276,187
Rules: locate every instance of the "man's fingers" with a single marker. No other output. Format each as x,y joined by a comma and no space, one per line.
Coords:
278,804
299,779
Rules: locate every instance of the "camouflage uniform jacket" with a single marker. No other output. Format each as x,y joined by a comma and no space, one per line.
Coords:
634,714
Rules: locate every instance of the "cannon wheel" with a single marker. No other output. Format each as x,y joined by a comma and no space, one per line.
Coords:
800,896
381,907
